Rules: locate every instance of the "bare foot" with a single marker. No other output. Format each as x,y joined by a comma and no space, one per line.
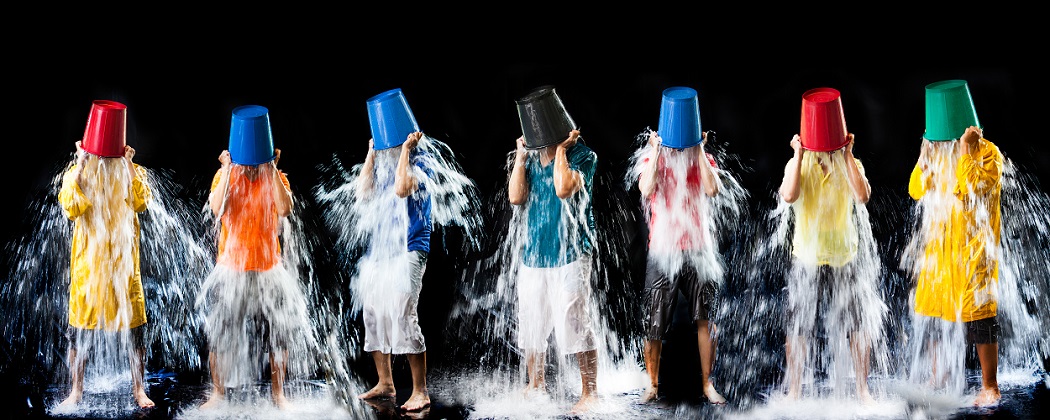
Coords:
72,399
213,401
865,398
793,393
585,404
280,401
649,395
988,397
531,391
417,401
379,391
713,396
143,400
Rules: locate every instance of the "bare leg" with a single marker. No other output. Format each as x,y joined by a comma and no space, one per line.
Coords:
278,370
218,389
795,349
588,361
653,349
420,398
535,368
76,373
988,355
707,345
385,387
861,349
138,388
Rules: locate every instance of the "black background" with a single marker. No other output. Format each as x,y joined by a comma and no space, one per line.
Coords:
461,88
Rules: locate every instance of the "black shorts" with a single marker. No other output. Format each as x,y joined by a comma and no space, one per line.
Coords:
661,297
981,331
822,292
81,338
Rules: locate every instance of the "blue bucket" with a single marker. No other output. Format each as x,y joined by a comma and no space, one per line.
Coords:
391,119
680,118
251,142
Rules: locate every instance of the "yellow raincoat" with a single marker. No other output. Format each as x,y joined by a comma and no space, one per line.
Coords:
959,274
105,290
824,231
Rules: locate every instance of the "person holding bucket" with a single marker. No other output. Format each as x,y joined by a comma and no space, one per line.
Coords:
393,182
681,250
253,300
957,182
102,193
553,169
834,267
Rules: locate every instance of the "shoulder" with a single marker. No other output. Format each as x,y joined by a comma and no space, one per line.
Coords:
581,153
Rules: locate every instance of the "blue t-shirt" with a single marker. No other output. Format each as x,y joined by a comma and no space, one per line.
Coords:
547,227
419,223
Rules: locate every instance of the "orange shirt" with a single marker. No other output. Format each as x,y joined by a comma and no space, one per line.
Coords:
248,236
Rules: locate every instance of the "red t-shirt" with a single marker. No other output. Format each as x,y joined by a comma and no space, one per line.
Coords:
663,202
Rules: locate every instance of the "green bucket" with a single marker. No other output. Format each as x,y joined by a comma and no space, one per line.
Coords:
949,110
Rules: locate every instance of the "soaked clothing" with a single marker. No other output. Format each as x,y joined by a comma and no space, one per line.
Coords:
251,312
981,331
390,316
249,234
835,295
557,235
556,299
420,224
105,289
661,296
82,339
824,230
960,271
682,207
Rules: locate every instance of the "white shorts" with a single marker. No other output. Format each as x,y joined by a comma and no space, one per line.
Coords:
556,299
389,305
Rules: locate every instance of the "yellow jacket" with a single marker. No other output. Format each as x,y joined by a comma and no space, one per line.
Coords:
105,290
959,273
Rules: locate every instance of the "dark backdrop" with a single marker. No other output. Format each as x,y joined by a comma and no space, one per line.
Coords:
462,92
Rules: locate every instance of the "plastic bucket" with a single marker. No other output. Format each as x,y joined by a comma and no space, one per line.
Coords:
391,119
251,141
105,134
544,121
680,118
823,127
949,110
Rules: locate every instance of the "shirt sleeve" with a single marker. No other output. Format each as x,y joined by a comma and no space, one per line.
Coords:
584,161
70,196
917,183
979,172
140,191
215,180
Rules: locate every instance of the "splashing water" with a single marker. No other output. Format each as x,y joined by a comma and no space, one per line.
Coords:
37,294
370,226
288,311
1017,252
779,273
483,322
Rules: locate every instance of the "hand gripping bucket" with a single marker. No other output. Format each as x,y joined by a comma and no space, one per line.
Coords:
105,134
823,123
949,110
544,121
391,119
680,118
251,141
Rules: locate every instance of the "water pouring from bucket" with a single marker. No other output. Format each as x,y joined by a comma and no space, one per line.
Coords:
102,274
384,213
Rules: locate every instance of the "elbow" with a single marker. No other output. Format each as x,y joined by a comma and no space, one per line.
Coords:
788,197
517,201
564,191
403,191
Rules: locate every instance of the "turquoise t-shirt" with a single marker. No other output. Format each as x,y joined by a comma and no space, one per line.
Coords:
548,228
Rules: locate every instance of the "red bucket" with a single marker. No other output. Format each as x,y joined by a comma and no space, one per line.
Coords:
105,132
823,124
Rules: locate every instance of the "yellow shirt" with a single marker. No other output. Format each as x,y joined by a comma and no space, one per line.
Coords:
824,232
959,274
105,290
